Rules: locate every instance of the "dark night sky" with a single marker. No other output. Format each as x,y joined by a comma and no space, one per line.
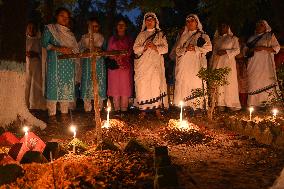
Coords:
132,15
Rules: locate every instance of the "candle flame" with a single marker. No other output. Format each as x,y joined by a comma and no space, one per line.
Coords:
25,129
181,103
251,109
275,111
73,129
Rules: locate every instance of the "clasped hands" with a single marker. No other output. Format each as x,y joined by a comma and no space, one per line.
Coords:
63,50
190,47
262,48
221,52
150,45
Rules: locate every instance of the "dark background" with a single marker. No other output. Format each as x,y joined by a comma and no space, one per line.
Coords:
241,14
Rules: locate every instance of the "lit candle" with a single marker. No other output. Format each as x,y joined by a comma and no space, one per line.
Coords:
108,110
50,155
26,130
180,116
274,111
73,129
250,112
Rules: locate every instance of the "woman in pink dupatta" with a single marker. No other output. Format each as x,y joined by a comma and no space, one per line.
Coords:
120,80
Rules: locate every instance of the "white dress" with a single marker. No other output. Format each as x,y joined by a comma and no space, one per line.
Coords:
262,82
228,94
34,89
150,81
187,67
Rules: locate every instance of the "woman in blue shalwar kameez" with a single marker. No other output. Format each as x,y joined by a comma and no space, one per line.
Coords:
60,74
87,82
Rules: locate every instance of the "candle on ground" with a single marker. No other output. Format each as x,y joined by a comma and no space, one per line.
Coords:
73,129
250,112
274,111
26,130
180,116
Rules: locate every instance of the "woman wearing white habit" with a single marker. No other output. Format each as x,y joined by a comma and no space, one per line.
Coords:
190,59
225,48
150,81
262,81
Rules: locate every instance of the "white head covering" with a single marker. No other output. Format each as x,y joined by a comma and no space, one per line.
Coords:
199,25
217,33
37,36
150,14
64,36
267,27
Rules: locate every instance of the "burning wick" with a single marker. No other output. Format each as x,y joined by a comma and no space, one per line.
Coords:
108,110
50,155
73,129
106,125
274,111
180,116
250,112
26,130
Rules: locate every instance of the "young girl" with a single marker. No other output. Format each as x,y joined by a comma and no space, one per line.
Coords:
120,80
60,76
87,82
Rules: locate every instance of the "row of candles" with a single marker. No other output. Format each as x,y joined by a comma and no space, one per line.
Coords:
275,111
107,123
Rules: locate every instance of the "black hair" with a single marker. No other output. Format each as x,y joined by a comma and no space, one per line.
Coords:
119,19
61,9
123,19
94,19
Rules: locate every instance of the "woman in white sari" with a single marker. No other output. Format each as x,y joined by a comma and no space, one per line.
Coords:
34,90
191,51
262,81
150,81
225,48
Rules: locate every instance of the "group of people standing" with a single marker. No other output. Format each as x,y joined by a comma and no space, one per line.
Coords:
148,69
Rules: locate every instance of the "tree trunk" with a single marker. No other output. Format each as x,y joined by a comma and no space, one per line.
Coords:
111,13
48,11
214,95
13,20
278,6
